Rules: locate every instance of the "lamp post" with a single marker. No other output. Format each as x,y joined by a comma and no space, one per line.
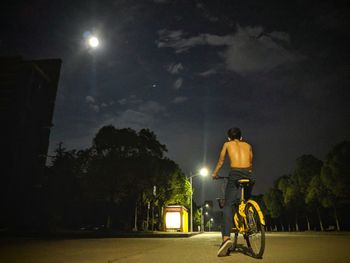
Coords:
202,214
210,223
203,172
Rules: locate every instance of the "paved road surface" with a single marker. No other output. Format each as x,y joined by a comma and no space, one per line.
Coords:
280,248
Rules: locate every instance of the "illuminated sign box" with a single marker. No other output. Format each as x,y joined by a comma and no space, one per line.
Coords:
176,218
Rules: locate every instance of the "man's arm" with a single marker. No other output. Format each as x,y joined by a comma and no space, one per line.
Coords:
251,154
221,160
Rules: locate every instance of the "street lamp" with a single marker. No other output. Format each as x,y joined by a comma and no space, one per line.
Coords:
202,172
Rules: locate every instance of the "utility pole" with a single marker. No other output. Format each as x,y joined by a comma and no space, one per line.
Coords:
135,219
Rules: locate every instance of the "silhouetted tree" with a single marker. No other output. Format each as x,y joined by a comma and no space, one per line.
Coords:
62,187
316,196
307,166
273,200
335,176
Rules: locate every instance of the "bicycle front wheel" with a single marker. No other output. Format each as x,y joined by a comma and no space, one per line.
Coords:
255,236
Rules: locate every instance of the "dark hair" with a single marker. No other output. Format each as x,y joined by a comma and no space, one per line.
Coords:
234,133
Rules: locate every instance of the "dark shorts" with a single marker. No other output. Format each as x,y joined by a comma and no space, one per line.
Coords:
232,193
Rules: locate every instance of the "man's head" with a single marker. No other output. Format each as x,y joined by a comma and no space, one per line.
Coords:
234,133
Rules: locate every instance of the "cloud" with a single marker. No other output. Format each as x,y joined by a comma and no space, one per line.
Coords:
131,100
248,50
178,83
134,118
207,72
253,51
94,107
174,68
280,35
140,116
151,107
180,99
129,118
122,101
178,41
89,99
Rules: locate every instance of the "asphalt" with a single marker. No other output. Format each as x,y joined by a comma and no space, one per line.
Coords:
280,248
96,234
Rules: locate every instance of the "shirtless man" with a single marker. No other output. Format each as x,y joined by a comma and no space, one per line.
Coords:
241,161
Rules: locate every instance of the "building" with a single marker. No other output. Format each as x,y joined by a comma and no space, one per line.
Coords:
27,98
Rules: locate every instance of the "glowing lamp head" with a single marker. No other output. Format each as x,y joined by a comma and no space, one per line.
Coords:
203,172
93,42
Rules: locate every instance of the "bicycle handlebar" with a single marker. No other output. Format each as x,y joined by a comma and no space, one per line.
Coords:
220,177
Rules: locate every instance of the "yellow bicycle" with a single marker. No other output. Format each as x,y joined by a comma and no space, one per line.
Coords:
249,221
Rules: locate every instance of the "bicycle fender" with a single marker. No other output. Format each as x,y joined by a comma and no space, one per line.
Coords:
257,207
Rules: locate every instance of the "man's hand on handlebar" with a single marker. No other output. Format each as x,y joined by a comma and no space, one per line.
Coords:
215,176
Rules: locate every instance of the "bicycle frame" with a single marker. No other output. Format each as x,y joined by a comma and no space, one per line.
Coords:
249,223
242,228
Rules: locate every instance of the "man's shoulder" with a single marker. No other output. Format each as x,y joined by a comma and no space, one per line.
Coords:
246,143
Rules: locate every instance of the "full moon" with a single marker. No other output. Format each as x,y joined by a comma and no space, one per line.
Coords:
93,42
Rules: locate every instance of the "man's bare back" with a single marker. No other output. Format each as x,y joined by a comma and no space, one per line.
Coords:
240,155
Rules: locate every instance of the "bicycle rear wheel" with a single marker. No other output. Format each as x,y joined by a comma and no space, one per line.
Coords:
255,237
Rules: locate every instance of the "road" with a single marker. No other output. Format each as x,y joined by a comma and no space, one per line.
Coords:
280,248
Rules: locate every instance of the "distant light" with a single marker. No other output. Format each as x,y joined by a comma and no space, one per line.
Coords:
203,172
206,205
211,219
206,213
93,42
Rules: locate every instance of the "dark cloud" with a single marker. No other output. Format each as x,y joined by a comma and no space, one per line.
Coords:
249,50
175,68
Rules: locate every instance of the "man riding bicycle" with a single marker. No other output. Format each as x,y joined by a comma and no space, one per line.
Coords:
241,161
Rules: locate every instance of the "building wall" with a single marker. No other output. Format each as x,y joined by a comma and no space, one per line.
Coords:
27,98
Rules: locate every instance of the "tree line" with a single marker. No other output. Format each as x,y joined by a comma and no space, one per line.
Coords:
123,181
316,196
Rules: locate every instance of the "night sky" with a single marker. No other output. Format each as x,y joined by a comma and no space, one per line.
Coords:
190,70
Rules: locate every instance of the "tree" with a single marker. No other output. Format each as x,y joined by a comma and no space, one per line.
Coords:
336,170
287,184
316,196
128,165
273,200
149,145
335,176
62,186
307,167
173,187
125,164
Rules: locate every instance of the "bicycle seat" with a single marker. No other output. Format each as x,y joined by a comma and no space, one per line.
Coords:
244,181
